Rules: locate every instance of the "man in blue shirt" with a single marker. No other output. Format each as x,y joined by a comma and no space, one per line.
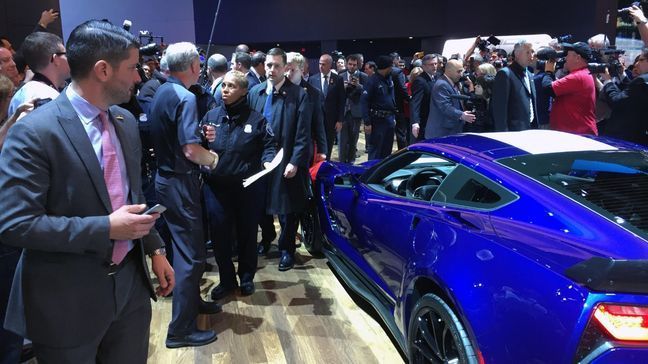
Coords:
177,140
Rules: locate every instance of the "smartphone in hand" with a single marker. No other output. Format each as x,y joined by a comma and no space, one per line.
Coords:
157,209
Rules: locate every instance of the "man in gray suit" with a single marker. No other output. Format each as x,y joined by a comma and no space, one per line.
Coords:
446,115
71,198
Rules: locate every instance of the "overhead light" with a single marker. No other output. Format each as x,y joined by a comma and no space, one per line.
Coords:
277,44
371,41
411,37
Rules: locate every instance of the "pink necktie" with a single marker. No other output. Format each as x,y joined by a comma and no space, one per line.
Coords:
113,179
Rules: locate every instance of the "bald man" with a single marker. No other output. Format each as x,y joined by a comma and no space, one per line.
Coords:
446,115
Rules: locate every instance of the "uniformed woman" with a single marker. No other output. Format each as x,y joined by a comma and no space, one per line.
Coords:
243,142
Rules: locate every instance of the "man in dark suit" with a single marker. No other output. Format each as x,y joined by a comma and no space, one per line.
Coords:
256,75
421,92
446,113
514,94
82,290
286,108
332,88
629,118
401,97
295,73
354,82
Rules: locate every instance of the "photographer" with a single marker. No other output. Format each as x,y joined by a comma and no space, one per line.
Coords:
628,120
573,109
636,13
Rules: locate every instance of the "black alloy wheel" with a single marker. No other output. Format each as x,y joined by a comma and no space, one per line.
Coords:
436,335
310,229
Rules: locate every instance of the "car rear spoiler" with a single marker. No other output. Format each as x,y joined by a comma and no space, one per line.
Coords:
611,275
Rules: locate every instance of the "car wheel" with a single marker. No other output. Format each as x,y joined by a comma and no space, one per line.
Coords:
310,230
436,335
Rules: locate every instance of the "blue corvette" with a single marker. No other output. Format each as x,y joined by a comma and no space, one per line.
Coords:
525,247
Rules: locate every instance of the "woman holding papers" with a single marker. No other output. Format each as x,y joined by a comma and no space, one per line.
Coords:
244,143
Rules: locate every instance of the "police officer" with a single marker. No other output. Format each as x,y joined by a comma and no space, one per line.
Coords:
379,109
177,140
243,142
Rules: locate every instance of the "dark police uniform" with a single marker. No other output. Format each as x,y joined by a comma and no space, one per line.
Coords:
378,110
243,142
291,125
174,123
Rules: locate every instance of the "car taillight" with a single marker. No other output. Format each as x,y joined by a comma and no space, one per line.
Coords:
624,323
613,325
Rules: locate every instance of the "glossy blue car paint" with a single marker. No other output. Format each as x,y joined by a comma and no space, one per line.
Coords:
502,271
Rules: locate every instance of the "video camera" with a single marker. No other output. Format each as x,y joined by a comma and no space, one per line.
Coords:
607,58
483,44
549,54
477,104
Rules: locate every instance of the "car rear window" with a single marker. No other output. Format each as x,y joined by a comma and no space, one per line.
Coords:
613,183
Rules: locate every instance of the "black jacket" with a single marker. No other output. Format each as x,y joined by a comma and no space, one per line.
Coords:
243,142
291,125
420,104
629,119
510,100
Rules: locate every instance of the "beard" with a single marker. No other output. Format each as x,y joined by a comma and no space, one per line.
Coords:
118,94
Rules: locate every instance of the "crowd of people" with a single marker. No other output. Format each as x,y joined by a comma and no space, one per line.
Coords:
92,133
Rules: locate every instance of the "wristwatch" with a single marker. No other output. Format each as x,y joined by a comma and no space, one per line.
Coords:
158,251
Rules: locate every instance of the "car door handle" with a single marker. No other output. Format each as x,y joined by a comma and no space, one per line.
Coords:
456,217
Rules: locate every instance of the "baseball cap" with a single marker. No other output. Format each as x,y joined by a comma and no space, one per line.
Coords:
581,48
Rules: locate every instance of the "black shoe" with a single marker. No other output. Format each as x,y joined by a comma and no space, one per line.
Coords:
196,338
247,288
287,262
222,291
263,248
209,308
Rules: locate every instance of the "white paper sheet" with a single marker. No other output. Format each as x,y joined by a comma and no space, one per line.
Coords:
275,162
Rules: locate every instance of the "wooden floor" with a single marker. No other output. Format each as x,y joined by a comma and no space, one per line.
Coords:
304,315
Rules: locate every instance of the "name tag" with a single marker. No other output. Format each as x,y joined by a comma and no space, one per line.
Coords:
247,129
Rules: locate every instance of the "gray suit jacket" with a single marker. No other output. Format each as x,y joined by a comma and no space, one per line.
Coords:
445,112
55,205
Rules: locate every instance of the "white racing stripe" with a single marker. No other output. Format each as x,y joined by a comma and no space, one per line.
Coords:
538,141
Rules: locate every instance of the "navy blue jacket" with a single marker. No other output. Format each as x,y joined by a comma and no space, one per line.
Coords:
291,126
354,93
243,142
510,100
420,104
378,95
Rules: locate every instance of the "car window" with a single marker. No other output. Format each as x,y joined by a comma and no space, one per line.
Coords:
465,187
612,183
411,174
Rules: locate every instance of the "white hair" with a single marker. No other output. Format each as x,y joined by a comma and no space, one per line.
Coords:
164,65
180,56
519,45
297,59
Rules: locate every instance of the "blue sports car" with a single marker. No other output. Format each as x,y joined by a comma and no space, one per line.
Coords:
524,247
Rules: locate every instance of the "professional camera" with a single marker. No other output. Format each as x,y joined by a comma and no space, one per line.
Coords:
567,38
336,55
483,44
607,58
546,54
150,49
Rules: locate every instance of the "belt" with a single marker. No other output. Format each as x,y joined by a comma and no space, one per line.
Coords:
115,268
380,113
